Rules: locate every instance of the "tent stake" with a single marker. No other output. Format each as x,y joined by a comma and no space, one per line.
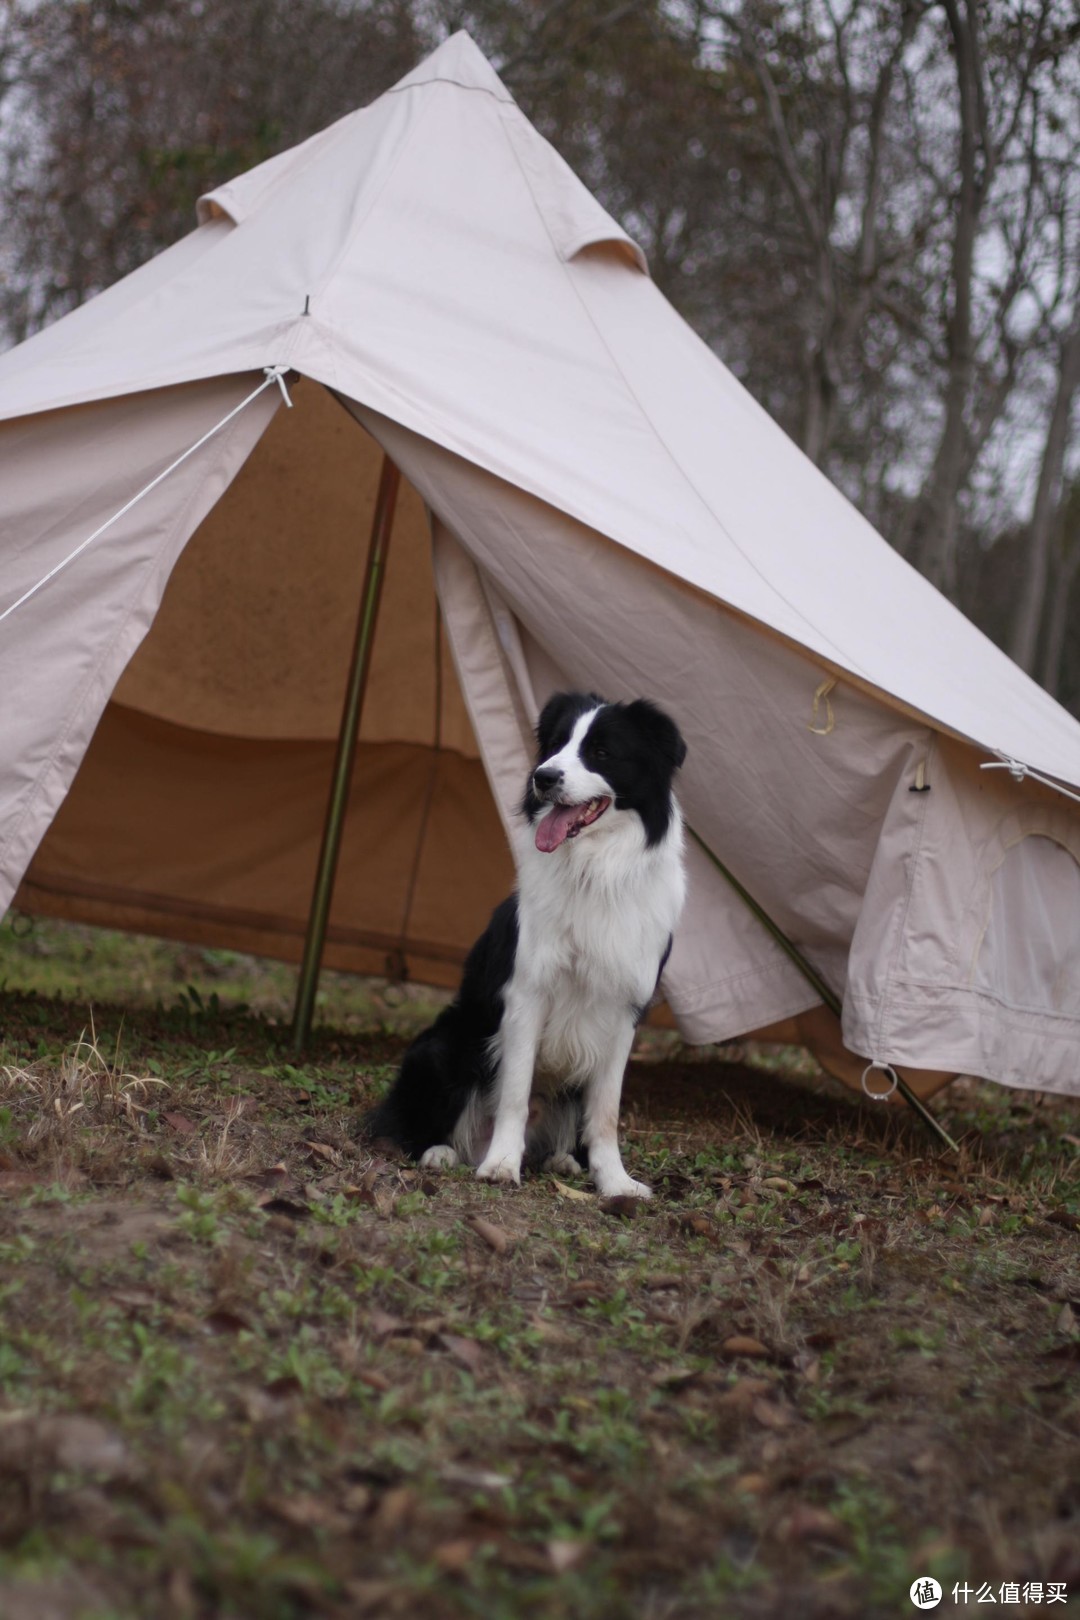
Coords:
323,892
831,1000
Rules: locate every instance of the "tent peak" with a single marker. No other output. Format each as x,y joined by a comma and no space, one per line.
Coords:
457,61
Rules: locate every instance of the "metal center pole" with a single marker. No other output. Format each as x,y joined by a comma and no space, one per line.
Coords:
381,525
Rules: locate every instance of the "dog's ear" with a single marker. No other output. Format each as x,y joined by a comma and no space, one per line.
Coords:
557,719
662,732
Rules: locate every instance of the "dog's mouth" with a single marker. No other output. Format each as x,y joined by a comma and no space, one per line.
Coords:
565,821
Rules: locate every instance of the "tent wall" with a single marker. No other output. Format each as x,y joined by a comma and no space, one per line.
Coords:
64,474
968,942
814,797
198,808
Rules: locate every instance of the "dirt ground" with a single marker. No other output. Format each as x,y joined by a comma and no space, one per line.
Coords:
251,1368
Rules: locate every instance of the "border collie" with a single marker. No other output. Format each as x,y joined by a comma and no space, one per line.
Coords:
527,1062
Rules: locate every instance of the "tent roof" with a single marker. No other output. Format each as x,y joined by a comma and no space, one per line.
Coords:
433,258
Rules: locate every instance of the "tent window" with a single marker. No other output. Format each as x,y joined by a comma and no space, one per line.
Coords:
1037,965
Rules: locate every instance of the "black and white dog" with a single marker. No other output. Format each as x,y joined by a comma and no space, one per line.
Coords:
528,1061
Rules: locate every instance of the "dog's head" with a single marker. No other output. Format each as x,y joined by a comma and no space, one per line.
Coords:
595,757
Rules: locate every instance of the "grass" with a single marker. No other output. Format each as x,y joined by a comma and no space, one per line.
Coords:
251,1369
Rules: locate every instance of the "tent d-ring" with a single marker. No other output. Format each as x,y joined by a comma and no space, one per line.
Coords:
885,1068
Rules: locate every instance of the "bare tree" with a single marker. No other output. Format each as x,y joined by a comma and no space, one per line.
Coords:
972,398
128,109
1061,616
1031,606
844,64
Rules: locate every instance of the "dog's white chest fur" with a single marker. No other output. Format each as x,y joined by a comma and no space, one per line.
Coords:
595,918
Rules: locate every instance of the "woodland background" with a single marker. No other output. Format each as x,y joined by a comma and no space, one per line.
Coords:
870,209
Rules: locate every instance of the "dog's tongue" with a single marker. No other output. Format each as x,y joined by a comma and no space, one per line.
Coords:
556,825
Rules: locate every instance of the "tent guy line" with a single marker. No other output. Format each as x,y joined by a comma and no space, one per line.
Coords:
1018,771
273,374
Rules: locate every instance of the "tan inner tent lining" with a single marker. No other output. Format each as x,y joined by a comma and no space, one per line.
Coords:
198,809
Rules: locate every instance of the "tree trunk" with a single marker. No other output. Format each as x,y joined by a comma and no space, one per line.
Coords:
937,520
1058,621
1030,610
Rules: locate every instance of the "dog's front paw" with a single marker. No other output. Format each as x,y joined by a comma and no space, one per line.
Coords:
623,1187
563,1164
501,1170
442,1157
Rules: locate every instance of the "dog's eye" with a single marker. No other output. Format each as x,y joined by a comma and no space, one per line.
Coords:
601,753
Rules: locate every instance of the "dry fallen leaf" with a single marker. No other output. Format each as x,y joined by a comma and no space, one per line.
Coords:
771,1415
358,1195
575,1193
806,1523
134,1301
323,1150
394,1510
673,1377
383,1325
374,1379
494,1236
454,1557
743,1393
466,1352
586,1289
181,1123
741,1344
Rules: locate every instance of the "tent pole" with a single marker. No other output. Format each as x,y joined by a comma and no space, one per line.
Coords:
809,973
315,939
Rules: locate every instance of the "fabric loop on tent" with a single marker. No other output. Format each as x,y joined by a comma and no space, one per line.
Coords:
273,374
822,696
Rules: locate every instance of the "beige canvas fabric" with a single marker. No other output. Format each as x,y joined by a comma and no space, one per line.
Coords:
611,509
198,811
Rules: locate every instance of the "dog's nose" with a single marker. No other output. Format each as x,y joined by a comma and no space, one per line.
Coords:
545,778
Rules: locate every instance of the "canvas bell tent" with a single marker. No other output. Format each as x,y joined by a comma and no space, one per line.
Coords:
592,501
